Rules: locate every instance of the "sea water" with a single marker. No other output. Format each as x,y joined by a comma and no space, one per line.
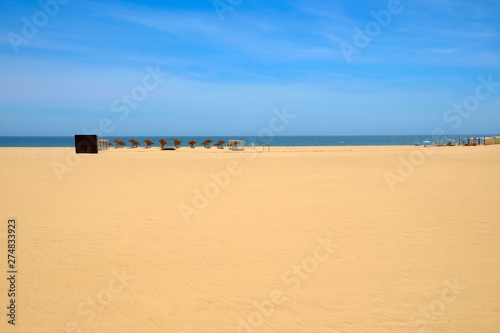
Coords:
350,140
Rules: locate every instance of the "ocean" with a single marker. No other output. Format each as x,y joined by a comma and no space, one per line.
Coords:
351,140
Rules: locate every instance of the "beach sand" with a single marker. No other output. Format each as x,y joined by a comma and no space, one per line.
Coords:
305,239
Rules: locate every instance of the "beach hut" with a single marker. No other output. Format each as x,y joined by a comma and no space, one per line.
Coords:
206,143
490,141
192,143
236,145
219,144
177,143
119,143
148,143
134,143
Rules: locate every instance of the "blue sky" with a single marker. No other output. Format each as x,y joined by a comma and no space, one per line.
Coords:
225,72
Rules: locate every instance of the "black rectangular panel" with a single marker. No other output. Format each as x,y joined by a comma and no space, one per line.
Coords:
86,144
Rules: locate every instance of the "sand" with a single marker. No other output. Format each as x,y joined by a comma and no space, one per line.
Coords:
305,239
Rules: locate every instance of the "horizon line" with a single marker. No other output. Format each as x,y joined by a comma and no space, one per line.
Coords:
225,135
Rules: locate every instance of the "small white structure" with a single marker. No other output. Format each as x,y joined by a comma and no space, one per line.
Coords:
237,145
103,144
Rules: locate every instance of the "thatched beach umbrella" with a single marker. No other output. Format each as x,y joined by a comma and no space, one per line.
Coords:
177,143
119,143
148,143
134,143
192,143
206,143
162,142
219,144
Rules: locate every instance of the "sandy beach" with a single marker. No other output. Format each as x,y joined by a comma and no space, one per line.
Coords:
303,239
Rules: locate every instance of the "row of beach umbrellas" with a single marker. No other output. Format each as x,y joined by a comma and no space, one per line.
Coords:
177,143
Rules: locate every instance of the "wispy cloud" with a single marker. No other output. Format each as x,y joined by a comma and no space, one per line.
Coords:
265,54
